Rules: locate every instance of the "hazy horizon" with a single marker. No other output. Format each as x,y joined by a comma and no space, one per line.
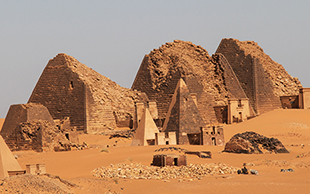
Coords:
112,37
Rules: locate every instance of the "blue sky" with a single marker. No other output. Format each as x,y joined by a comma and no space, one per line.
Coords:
112,37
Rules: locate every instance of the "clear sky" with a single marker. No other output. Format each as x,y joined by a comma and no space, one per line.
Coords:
113,36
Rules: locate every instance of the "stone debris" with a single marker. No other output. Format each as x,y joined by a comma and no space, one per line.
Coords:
287,170
33,184
122,134
251,142
183,173
282,164
172,149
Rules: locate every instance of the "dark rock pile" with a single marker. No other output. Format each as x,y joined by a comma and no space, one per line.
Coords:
123,134
251,142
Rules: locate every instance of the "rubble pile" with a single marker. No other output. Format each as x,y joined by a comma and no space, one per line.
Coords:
251,142
122,134
43,136
172,149
139,171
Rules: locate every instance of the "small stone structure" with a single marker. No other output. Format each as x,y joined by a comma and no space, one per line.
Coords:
169,160
301,101
145,133
35,169
213,135
289,102
238,110
304,98
166,138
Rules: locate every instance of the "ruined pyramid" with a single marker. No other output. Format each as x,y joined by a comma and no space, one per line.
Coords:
145,133
211,78
93,102
183,116
262,79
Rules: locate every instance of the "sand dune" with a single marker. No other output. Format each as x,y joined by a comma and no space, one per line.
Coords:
289,126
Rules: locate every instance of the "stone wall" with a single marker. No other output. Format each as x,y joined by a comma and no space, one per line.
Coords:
289,102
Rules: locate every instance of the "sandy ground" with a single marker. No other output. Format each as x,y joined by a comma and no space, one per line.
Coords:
1,123
292,127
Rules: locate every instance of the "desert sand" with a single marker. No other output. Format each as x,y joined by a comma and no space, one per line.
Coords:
290,126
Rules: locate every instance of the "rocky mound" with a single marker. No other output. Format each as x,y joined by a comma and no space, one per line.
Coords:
252,143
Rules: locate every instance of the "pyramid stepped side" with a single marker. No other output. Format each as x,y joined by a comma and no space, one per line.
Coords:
231,81
69,88
262,79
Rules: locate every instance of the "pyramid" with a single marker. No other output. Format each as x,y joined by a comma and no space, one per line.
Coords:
92,101
145,133
183,116
7,160
263,80
22,113
210,77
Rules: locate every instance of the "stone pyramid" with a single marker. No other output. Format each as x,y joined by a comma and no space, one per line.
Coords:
7,160
262,79
92,101
145,133
23,113
210,77
183,116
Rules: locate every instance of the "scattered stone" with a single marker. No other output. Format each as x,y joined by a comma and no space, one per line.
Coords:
123,134
288,170
255,172
183,173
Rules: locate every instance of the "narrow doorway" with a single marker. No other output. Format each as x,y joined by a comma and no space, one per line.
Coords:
213,141
175,160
